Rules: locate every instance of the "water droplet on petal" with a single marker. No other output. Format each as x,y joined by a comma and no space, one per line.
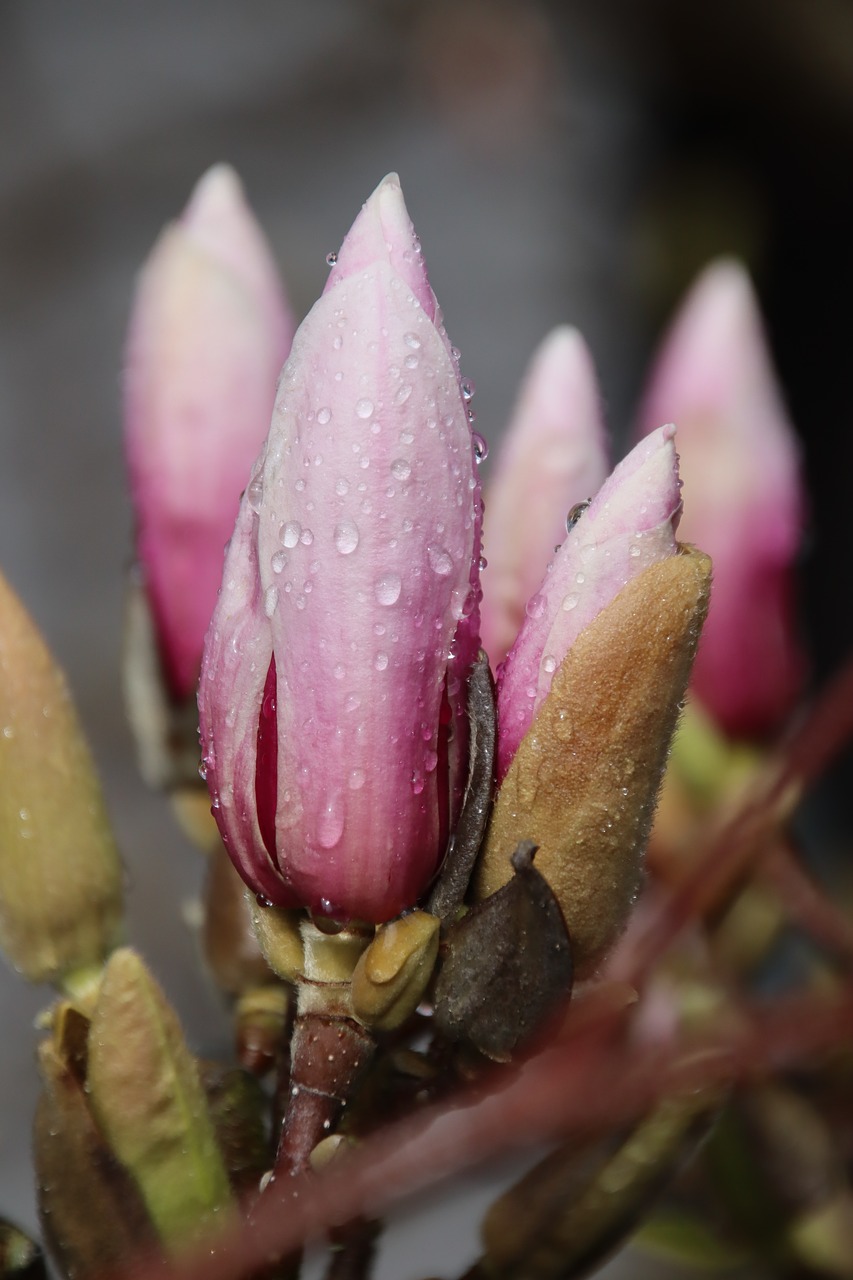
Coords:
549,663
388,588
331,259
270,601
440,560
364,408
341,487
330,825
290,533
412,340
570,602
346,537
306,537
417,782
356,779
402,393
634,550
575,514
324,415
279,560
481,446
468,389
535,606
380,661
255,493
401,469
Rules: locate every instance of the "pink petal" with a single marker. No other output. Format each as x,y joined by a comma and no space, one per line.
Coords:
553,456
743,497
629,525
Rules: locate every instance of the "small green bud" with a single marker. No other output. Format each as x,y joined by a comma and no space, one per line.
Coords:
147,1096
60,878
392,974
92,1214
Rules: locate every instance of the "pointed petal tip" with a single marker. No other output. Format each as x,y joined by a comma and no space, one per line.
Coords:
218,191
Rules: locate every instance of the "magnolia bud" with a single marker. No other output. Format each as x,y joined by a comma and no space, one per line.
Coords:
60,878
583,782
147,1097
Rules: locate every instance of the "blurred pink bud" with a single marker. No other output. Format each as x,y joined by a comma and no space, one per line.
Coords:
209,333
554,455
333,683
743,497
629,525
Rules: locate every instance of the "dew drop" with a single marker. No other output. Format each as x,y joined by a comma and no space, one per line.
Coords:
263,901
412,340
418,782
290,533
634,550
324,415
331,259
401,469
330,825
440,561
339,671
402,393
270,601
411,362
380,661
535,606
570,602
481,448
352,703
575,514
388,588
346,537
549,663
468,389
255,493
364,408
356,779
306,537
341,487
278,561
407,437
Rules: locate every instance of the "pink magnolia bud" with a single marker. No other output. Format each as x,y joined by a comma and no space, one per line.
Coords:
333,680
629,525
743,497
209,332
554,455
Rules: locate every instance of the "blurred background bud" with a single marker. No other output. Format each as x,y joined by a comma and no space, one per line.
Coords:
60,877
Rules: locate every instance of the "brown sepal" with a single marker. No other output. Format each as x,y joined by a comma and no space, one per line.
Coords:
507,963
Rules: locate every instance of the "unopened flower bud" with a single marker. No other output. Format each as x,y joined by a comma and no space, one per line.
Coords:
147,1097
583,782
209,332
552,457
743,494
60,878
332,698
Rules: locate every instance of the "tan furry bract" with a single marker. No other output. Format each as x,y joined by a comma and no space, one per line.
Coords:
585,778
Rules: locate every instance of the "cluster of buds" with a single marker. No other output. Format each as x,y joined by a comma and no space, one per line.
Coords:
435,778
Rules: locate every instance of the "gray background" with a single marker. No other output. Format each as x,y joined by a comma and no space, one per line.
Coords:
562,162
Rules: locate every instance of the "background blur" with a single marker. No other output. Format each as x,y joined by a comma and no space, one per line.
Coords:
561,161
